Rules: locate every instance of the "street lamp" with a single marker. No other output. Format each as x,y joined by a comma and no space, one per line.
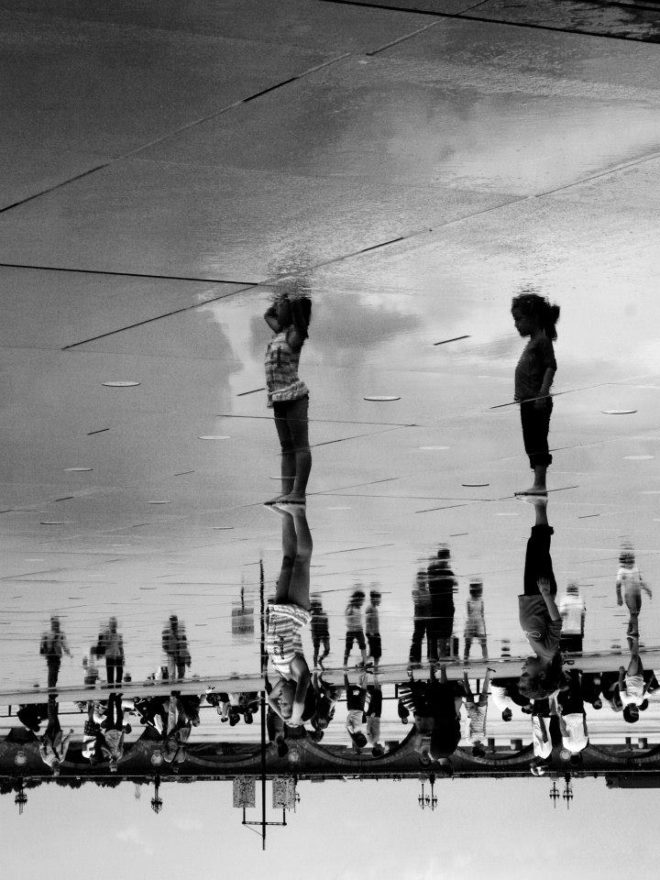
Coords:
428,801
156,800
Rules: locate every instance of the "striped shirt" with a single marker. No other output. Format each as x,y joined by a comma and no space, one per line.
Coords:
281,365
283,634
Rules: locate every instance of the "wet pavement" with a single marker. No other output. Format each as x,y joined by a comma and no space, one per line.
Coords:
161,171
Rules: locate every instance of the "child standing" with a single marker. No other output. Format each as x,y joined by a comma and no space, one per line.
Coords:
354,630
289,318
372,626
534,317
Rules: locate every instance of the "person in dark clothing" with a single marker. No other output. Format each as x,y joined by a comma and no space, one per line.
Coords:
421,619
539,616
111,646
373,714
445,700
441,583
320,630
175,646
535,317
436,707
591,684
53,645
32,714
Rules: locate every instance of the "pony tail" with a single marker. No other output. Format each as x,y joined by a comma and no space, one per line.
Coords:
301,312
551,318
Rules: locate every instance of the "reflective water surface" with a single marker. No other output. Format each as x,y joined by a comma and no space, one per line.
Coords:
349,197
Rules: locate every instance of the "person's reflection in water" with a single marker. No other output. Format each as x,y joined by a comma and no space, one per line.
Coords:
475,621
442,583
572,610
533,316
421,619
111,646
539,616
320,631
175,648
326,698
289,319
54,744
92,740
506,695
446,698
541,744
32,714
629,586
286,617
53,646
591,685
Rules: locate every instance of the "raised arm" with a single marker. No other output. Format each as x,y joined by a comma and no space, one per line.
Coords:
270,317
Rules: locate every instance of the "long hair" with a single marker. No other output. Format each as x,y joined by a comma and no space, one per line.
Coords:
301,314
532,305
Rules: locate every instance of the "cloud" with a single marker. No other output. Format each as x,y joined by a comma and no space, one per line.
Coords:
133,835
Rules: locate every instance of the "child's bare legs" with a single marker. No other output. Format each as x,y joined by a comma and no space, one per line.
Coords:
633,599
486,685
540,471
535,419
296,455
288,458
540,510
299,582
466,648
289,551
635,665
484,647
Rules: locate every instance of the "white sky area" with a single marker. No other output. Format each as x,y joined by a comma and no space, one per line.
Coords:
501,829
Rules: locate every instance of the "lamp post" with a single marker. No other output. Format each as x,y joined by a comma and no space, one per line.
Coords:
156,800
428,801
554,794
21,800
